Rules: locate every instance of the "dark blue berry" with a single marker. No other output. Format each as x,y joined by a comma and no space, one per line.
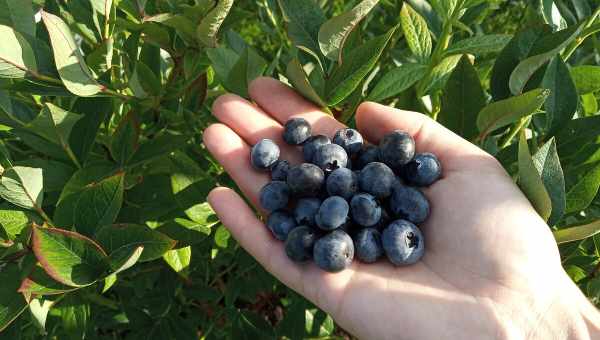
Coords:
334,252
330,157
403,243
409,203
274,195
342,182
332,213
280,223
368,154
349,139
312,144
296,131
367,244
423,170
365,210
299,243
377,179
305,179
264,154
280,170
396,149
306,209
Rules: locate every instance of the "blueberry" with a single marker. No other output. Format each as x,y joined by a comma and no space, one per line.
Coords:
296,131
264,154
330,157
365,210
334,252
332,213
377,179
280,170
299,243
305,179
312,144
368,245
280,223
396,149
274,195
403,242
342,182
368,154
423,170
349,139
306,210
409,203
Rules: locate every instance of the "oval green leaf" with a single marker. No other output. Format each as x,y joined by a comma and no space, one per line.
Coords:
586,78
397,80
548,166
577,233
416,32
530,182
17,57
583,192
298,78
561,104
128,237
479,45
23,186
210,24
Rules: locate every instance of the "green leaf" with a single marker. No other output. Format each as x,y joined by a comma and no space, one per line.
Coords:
143,82
577,233
39,309
589,104
333,32
478,45
209,26
188,232
23,187
56,174
548,166
586,78
462,99
561,104
346,78
507,111
397,80
87,176
93,111
157,147
19,15
38,282
184,27
68,257
439,75
583,192
124,142
298,78
416,32
98,204
17,57
445,8
222,60
71,66
552,15
551,45
124,258
126,238
433,20
304,19
248,67
54,124
16,110
12,303
318,323
74,314
14,219
179,259
530,182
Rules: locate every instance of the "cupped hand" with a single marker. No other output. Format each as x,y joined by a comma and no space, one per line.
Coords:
491,267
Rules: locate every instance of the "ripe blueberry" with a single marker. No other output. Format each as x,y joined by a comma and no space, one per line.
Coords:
330,157
365,210
409,203
274,195
264,154
306,209
280,170
396,149
403,242
280,223
299,243
368,154
312,144
377,179
305,179
367,244
332,213
296,131
342,182
334,252
349,139
423,170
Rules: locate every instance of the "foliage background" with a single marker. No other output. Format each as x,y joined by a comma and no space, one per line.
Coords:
104,228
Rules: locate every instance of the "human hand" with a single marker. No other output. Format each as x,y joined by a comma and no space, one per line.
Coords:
491,267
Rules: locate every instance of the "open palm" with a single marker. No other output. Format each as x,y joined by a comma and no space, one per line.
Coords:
491,267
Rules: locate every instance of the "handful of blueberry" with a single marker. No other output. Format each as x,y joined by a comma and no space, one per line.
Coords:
349,198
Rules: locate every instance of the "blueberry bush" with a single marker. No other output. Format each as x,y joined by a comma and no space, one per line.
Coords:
105,232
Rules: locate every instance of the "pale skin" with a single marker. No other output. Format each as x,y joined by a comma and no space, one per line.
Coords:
491,269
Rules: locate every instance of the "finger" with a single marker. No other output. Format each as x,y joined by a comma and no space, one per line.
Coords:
283,103
250,123
232,153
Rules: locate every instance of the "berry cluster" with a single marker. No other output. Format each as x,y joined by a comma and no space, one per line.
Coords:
349,198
